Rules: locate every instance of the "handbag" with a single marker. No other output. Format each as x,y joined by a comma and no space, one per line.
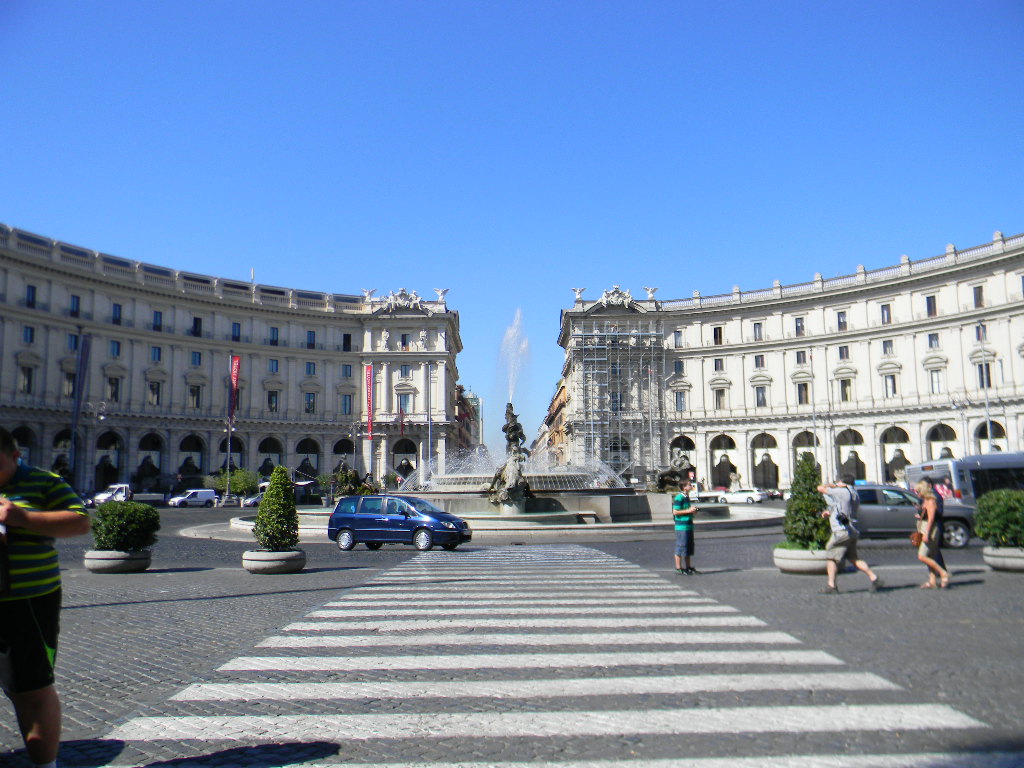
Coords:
916,538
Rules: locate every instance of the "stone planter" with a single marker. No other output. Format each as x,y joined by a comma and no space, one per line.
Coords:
113,561
810,562
1004,558
265,561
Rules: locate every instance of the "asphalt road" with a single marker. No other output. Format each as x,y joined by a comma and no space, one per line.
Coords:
130,642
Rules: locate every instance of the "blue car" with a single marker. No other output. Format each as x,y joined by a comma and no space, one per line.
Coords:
377,520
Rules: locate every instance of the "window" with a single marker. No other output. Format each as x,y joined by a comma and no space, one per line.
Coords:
677,339
273,400
758,331
841,320
719,399
197,358
405,371
404,341
717,335
616,401
114,389
275,336
310,339
887,347
26,379
801,357
236,331
404,403
76,306
798,326
933,341
68,388
680,401
979,296
981,332
156,354
935,382
72,342
677,367
845,390
310,402
346,342
889,382
760,396
272,365
346,405
931,307
759,361
153,393
28,334
197,327
115,348
719,364
30,296
984,376
844,352
195,396
310,368
346,371
115,314
803,393
158,320
615,369
886,314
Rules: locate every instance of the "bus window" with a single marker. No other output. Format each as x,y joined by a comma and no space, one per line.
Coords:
985,480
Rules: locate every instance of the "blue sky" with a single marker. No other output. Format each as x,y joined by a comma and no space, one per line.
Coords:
512,151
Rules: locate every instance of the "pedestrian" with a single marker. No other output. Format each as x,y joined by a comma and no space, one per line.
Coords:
842,503
929,525
35,507
940,502
682,515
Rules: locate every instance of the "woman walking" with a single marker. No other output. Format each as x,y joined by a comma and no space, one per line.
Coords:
929,525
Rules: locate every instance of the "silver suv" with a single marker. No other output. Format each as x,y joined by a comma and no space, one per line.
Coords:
889,511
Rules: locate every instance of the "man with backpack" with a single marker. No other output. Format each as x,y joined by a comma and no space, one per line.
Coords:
842,503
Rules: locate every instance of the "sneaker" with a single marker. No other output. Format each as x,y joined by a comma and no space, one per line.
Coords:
830,591
691,571
875,585
680,571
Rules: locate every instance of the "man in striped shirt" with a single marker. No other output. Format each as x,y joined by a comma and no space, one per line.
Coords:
35,507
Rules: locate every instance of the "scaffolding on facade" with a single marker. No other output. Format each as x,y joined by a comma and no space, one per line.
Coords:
618,371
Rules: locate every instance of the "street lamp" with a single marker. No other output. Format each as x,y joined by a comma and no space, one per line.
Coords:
229,428
985,379
961,404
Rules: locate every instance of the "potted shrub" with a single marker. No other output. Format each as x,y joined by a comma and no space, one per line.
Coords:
122,532
806,530
1000,521
276,530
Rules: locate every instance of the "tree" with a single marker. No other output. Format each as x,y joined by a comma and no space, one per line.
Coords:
243,482
277,522
804,526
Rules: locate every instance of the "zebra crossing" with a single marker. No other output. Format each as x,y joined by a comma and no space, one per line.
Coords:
554,655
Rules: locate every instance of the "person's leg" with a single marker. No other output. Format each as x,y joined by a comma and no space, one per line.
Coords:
831,568
39,721
688,552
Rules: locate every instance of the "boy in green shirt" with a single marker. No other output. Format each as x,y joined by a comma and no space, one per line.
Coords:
682,516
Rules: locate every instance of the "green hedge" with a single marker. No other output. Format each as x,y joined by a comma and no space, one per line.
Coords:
124,526
1000,518
277,522
804,526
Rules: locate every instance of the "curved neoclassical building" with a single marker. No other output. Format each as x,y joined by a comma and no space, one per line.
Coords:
135,359
870,371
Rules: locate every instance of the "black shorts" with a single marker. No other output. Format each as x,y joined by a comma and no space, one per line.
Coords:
28,642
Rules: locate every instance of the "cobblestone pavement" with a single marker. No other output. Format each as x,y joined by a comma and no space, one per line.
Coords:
547,655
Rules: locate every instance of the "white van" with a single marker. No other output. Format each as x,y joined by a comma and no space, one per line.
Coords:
194,497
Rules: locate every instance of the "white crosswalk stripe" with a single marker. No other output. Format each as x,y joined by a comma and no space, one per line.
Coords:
539,646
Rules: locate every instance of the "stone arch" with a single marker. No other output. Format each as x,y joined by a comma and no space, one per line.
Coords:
848,446
764,450
981,437
940,442
109,454
893,443
27,442
62,455
147,475
403,457
192,450
237,452
805,442
721,469
345,451
309,450
269,453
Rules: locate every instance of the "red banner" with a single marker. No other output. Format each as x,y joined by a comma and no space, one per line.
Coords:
236,366
369,401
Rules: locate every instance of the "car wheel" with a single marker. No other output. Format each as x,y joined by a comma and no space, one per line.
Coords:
722,500
449,547
345,540
750,499
209,503
955,534
374,544
423,539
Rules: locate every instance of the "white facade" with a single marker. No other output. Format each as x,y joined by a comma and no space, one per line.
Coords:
156,385
886,367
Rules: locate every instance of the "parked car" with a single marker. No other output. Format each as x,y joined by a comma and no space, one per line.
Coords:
252,501
742,496
890,511
380,519
194,497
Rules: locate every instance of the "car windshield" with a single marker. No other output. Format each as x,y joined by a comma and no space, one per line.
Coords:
424,506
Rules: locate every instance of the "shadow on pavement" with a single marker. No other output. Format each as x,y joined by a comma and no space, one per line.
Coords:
209,598
92,753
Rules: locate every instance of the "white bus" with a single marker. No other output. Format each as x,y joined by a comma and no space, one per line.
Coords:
972,476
